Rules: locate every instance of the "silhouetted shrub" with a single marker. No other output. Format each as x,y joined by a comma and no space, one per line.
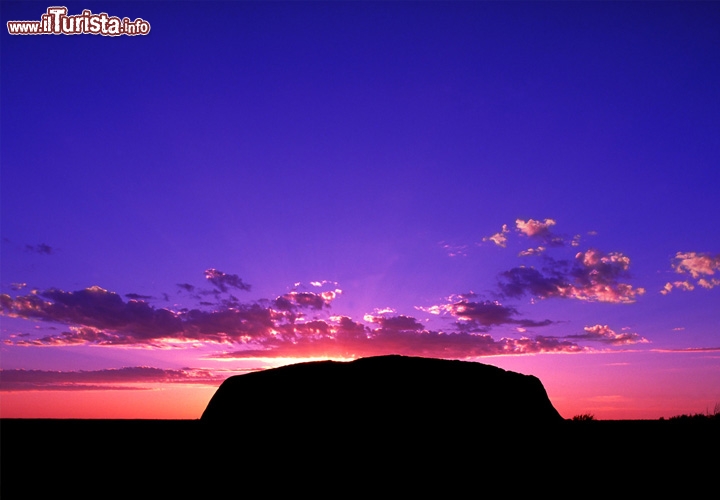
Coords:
585,417
699,417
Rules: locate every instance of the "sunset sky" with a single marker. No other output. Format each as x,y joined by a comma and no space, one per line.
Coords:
529,185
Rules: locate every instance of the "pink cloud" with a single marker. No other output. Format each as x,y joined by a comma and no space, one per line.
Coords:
603,333
532,251
700,266
708,283
97,316
536,229
351,340
593,276
101,317
533,227
680,285
499,238
96,308
696,263
283,328
454,250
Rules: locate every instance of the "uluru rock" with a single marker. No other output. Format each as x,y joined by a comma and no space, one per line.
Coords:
380,394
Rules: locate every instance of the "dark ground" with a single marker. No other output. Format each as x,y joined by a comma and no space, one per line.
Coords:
189,459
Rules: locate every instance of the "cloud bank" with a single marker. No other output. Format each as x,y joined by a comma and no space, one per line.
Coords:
277,328
295,324
109,379
345,338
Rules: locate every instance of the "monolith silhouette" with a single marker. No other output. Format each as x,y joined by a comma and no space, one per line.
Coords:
380,394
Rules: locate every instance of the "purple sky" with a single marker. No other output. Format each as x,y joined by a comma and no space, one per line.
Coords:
256,183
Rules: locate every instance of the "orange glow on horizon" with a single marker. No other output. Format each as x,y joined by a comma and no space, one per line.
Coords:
166,403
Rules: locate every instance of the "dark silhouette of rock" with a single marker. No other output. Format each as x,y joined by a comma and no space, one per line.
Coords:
388,395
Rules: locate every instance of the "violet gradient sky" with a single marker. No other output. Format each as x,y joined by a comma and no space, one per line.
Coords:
529,185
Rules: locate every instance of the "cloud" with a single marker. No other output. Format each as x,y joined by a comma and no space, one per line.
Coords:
696,263
137,296
540,230
297,324
593,276
399,335
385,310
612,398
520,281
399,323
41,248
481,316
321,283
603,333
95,310
186,286
708,283
97,316
108,379
224,281
537,230
699,266
306,300
100,317
499,238
690,349
268,329
681,285
532,251
240,324
534,228
293,300
454,250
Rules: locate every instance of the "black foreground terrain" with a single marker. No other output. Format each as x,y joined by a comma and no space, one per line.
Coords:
390,424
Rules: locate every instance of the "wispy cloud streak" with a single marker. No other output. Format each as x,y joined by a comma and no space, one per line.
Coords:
603,333
41,248
225,281
109,379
